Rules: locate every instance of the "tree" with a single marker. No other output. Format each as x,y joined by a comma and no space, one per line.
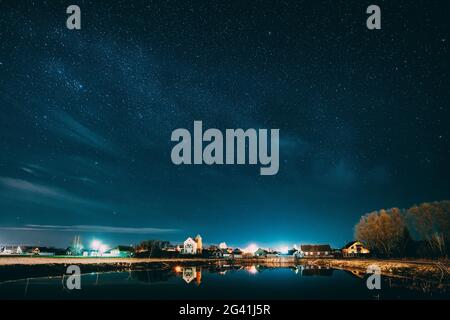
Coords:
384,231
152,247
431,221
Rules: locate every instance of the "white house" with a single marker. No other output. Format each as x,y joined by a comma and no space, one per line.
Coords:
6,251
11,250
189,246
119,251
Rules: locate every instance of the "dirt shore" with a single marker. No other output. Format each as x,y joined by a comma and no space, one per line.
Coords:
413,269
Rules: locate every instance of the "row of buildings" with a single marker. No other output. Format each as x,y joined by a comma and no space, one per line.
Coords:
118,251
192,246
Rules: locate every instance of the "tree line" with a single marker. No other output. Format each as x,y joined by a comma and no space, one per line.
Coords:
420,231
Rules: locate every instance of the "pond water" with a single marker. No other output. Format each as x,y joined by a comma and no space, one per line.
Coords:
250,282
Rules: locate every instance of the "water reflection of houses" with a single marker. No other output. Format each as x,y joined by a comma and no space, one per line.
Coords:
308,271
190,274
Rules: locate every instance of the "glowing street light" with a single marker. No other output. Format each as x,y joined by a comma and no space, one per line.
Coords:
178,269
102,248
95,245
252,248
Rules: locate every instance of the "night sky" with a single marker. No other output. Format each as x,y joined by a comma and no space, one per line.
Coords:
87,115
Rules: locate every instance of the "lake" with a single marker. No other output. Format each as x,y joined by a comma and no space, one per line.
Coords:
225,282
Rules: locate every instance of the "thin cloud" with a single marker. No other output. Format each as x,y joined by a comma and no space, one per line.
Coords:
89,228
22,190
76,131
27,170
37,170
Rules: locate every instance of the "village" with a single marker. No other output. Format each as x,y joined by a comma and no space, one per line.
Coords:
192,247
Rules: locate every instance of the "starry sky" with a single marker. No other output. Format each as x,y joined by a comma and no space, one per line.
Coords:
87,115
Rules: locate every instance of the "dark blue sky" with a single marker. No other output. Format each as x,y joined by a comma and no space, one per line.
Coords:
86,117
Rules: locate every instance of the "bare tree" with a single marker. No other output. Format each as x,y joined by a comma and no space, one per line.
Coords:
152,247
383,231
431,221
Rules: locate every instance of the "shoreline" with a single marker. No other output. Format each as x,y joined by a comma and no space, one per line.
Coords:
421,269
8,261
430,270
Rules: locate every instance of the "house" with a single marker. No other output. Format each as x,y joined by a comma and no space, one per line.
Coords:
11,250
223,253
261,252
47,251
120,251
6,251
90,253
189,246
215,252
315,250
237,253
193,246
354,248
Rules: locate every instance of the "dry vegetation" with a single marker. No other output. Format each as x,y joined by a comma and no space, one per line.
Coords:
425,269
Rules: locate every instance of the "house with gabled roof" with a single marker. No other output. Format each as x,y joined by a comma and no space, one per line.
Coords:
315,251
193,245
261,252
355,248
120,251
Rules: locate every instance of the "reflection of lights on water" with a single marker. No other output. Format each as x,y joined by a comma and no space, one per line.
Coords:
252,270
178,269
